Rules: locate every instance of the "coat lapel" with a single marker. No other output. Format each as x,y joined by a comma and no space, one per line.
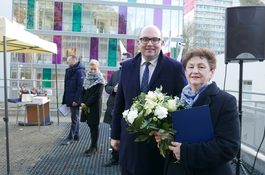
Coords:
135,69
159,66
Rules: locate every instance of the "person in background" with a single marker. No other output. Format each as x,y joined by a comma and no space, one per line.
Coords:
214,156
111,88
91,98
148,70
73,83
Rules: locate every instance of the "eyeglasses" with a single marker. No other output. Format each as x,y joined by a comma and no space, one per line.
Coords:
153,40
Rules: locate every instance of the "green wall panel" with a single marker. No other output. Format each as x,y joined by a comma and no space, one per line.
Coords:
112,55
77,17
47,75
30,14
131,0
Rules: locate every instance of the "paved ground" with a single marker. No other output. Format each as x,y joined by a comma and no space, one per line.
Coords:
39,152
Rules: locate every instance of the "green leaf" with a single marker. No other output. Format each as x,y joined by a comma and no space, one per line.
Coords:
145,123
139,120
142,138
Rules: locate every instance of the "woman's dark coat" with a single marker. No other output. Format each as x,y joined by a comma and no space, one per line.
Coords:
211,158
92,97
109,88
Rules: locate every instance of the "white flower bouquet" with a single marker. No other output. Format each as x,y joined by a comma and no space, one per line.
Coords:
150,114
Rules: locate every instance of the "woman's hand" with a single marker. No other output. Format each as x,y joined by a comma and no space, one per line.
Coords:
82,104
158,139
176,149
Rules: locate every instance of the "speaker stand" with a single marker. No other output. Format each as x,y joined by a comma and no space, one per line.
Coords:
238,159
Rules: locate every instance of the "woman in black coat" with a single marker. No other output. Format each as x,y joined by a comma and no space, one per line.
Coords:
212,157
91,96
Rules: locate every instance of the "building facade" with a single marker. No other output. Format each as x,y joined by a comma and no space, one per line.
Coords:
90,30
204,23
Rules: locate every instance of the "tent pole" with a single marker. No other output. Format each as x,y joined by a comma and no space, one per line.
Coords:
6,107
56,87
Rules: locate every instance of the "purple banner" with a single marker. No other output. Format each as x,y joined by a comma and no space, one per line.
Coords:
158,18
109,74
130,46
21,57
94,48
167,2
122,19
58,15
57,40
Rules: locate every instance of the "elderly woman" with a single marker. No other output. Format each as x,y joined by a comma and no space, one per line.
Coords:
91,97
213,157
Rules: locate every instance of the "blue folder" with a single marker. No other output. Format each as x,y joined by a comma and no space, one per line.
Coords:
193,125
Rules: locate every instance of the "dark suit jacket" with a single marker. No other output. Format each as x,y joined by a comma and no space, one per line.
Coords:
211,158
139,158
109,88
92,97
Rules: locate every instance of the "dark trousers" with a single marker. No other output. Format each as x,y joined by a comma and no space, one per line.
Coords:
74,132
125,172
115,154
94,132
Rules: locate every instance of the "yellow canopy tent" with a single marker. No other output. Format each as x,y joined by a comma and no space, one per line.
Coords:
15,39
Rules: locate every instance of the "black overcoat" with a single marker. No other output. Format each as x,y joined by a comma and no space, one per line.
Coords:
92,97
109,88
211,158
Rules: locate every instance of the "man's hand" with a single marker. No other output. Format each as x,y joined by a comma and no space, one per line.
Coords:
74,104
115,144
116,88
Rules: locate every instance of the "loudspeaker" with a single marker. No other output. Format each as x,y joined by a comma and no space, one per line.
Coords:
245,33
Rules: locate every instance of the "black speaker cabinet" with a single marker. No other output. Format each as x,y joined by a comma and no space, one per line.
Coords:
245,33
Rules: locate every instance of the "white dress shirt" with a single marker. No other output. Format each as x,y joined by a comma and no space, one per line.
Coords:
151,67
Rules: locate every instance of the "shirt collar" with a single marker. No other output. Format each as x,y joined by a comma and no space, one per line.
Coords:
153,62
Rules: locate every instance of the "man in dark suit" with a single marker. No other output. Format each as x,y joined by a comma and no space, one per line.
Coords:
142,158
73,83
111,88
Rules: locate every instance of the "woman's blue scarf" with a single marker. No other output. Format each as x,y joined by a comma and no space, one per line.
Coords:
189,96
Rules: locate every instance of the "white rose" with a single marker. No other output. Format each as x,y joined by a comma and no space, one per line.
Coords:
160,97
171,105
132,115
161,112
125,113
151,96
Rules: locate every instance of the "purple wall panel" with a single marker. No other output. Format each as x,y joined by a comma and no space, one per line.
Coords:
158,18
130,46
21,57
94,48
109,74
122,19
58,40
58,17
167,2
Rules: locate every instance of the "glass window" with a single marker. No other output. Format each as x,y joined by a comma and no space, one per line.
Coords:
40,15
149,16
139,19
85,48
76,49
131,14
114,19
166,27
67,16
86,21
149,1
47,58
31,15
104,19
247,86
77,17
112,52
159,2
66,48
175,23
95,18
103,51
49,7
140,1
16,10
